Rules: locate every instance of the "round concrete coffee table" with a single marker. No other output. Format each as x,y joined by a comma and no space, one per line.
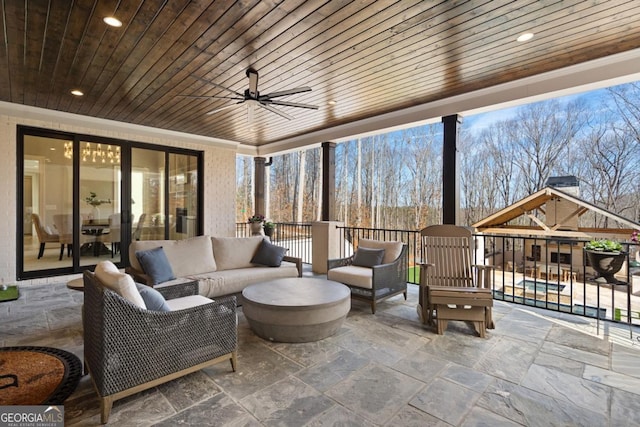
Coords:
296,309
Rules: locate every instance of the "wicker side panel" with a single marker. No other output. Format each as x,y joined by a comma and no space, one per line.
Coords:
391,278
180,290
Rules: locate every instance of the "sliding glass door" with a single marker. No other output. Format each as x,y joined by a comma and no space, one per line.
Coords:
47,199
100,204
83,199
148,194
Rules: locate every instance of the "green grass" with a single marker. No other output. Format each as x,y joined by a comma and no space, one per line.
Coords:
9,294
414,274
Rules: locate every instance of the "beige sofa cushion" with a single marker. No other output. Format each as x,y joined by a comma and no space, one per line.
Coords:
188,256
234,252
352,275
121,283
392,249
226,282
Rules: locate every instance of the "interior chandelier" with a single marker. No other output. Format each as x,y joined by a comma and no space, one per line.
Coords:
97,155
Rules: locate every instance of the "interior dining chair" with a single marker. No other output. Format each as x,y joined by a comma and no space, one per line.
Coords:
113,235
64,224
451,286
43,235
137,233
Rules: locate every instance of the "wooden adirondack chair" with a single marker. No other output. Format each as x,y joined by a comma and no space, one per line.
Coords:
450,285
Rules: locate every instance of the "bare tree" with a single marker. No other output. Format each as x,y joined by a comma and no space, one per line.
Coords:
542,133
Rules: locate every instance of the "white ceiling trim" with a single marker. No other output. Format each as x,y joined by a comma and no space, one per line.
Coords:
24,113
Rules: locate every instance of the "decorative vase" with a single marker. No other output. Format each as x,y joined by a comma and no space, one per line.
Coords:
606,264
256,228
95,212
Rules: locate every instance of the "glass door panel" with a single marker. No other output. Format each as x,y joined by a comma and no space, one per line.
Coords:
183,196
100,230
47,200
148,194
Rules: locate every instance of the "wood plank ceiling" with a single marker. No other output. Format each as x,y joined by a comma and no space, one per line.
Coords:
361,58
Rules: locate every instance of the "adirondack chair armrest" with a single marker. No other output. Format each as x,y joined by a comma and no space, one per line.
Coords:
484,275
423,267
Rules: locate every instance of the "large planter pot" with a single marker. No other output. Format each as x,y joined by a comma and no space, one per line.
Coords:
269,231
256,228
606,264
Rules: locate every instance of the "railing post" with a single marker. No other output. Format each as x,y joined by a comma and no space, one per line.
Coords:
326,239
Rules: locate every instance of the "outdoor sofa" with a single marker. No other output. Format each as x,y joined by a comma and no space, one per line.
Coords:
220,265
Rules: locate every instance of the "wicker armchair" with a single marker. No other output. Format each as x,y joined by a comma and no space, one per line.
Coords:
376,283
128,349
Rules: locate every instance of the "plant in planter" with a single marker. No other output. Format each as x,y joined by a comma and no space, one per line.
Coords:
606,258
269,228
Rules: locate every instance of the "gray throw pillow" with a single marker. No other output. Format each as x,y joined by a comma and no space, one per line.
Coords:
152,298
269,254
155,264
366,257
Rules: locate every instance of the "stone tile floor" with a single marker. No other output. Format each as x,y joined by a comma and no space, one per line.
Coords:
536,368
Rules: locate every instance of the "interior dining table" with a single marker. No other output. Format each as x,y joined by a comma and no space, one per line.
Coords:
94,227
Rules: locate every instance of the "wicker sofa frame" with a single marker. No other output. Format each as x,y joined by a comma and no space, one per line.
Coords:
387,280
128,349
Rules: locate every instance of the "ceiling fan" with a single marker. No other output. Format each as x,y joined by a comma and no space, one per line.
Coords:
253,97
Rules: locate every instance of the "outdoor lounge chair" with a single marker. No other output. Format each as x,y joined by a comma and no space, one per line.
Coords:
128,348
370,282
449,286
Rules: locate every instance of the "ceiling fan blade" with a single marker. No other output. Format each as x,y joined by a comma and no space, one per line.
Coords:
220,87
250,112
210,97
223,108
253,82
278,112
290,104
286,92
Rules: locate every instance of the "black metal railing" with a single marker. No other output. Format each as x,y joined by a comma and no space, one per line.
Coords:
294,236
549,273
555,274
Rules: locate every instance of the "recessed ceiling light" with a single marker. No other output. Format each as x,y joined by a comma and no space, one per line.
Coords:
525,37
114,22
77,92
332,102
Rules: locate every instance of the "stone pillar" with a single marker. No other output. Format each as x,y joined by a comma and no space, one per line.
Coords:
259,200
328,181
326,244
450,171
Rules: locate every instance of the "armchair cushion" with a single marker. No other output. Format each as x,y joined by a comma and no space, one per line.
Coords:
392,249
352,275
121,283
152,298
155,263
269,254
365,257
187,302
